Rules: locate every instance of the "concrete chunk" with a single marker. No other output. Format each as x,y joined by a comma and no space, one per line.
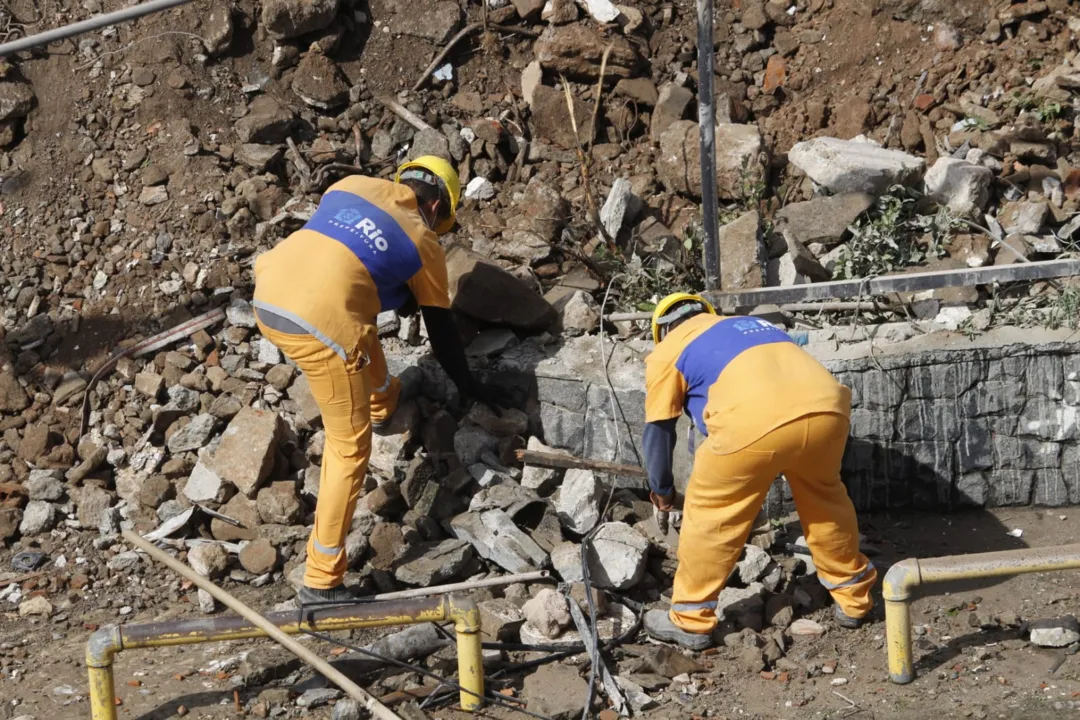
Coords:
580,499
854,166
496,538
617,557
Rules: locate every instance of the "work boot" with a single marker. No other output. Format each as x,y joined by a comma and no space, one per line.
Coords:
316,598
658,626
846,621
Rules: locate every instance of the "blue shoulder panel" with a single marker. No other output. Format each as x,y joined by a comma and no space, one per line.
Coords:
390,256
703,359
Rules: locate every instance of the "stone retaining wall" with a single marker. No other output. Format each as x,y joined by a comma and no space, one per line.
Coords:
939,421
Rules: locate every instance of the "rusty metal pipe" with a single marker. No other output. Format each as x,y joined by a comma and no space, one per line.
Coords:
234,627
906,575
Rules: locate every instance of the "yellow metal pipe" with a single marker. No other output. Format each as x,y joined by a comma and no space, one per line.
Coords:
466,617
106,642
905,576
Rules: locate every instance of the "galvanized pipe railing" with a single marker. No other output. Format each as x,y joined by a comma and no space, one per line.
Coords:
906,575
106,642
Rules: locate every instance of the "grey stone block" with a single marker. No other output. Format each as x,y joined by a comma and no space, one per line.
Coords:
1050,488
1011,487
971,490
975,449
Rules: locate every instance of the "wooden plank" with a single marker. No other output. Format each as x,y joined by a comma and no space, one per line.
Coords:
569,462
912,282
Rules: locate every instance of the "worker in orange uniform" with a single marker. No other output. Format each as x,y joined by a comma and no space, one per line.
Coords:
371,246
766,407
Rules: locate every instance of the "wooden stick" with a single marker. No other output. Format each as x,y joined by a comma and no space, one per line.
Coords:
569,462
404,113
536,576
301,165
335,676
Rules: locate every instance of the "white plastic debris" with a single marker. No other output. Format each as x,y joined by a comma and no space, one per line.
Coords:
602,10
1016,532
479,188
444,73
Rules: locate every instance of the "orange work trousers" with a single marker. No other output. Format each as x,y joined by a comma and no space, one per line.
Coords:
342,392
725,494
385,388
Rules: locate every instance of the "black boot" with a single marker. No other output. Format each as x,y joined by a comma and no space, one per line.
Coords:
658,626
846,621
315,598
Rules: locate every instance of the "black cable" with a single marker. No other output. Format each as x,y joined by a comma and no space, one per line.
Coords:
594,652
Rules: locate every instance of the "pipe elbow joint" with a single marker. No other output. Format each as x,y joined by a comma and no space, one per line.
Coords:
463,611
103,644
899,581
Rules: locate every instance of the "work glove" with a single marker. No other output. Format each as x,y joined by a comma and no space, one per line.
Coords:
664,511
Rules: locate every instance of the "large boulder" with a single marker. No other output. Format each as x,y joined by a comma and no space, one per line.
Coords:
474,282
842,166
740,167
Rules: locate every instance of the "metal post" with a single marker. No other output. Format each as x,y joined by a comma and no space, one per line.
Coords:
707,126
85,26
907,575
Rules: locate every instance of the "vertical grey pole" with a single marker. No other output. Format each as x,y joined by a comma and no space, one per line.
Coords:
707,124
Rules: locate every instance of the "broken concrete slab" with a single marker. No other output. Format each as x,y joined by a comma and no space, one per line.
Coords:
433,563
495,537
822,220
548,612
245,455
739,166
580,500
1055,633
617,556
474,281
961,186
500,620
542,480
843,166
742,253
555,691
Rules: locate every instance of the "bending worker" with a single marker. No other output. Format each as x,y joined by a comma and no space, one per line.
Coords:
767,407
370,246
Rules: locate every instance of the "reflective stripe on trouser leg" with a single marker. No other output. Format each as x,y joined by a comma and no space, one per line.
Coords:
828,517
722,501
342,393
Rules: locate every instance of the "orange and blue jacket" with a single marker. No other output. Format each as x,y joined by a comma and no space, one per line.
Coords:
366,249
738,379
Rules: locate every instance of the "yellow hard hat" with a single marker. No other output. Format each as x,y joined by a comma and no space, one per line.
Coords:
445,172
662,315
